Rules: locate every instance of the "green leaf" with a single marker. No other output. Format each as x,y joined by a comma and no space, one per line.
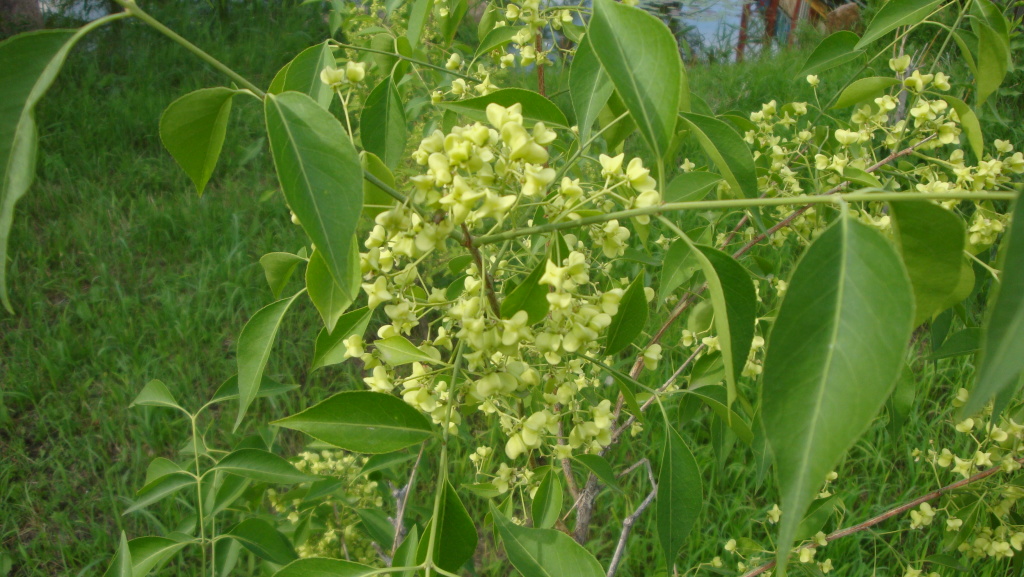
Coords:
147,553
894,14
816,517
641,57
382,124
969,124
160,488
544,552
547,502
727,150
192,129
156,394
960,343
497,38
319,567
528,296
1002,343
716,397
228,390
302,74
931,240
629,321
456,534
691,186
865,89
320,175
263,540
398,350
254,345
330,299
278,267
536,108
680,495
262,466
599,466
901,402
418,14
121,564
29,63
159,468
405,556
377,526
450,25
993,60
330,347
362,421
862,177
385,461
836,49
589,88
836,349
375,199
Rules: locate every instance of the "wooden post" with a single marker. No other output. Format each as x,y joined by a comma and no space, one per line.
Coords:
771,18
742,43
793,21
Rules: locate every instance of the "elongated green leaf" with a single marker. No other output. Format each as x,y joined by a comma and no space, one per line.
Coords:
375,200
398,350
278,267
716,397
419,11
836,49
149,553
385,461
969,124
121,564
993,60
536,108
192,129
836,350
362,421
330,347
589,88
599,466
254,345
262,466
547,502
931,240
376,525
302,74
528,296
263,540
320,175
159,468
497,38
228,390
680,495
691,186
319,567
865,89
816,517
382,124
156,394
160,488
960,343
629,322
727,150
450,25
640,55
330,299
894,14
456,534
1002,344
544,552
29,63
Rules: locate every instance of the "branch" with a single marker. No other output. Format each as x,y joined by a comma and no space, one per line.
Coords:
888,514
628,522
492,297
403,500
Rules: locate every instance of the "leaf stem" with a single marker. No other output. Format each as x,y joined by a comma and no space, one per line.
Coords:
406,58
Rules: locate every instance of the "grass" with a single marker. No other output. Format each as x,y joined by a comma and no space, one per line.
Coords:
121,274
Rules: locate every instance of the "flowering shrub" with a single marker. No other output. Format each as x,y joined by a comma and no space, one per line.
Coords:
505,262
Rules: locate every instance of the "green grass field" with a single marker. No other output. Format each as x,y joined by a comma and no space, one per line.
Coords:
121,274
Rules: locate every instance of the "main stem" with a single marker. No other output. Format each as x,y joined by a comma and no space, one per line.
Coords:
442,475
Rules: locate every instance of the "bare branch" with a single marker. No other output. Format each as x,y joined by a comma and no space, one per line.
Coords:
403,500
628,522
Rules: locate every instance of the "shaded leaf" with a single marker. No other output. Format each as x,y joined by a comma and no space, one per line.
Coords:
318,567
680,495
254,345
278,267
157,490
456,534
691,186
528,296
330,299
727,150
589,88
382,124
629,321
398,350
544,552
330,347
865,89
192,129
894,14
931,240
302,74
536,108
262,466
599,466
547,502
836,49
263,540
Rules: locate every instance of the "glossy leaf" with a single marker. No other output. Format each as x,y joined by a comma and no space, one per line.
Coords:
398,350
330,346
192,129
835,50
302,74
1002,345
320,175
931,241
262,466
641,57
529,296
330,299
263,540
536,108
993,60
497,38
320,567
121,564
254,345
865,89
691,186
278,267
599,466
836,349
419,12
544,552
149,553
157,490
456,534
680,495
382,124
589,88
29,63
547,502
894,14
156,394
629,321
362,421
727,150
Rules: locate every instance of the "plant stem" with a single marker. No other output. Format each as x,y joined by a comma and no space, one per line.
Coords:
407,59
131,7
404,500
199,496
628,522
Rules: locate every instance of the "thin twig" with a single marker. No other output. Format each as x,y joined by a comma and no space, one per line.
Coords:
403,499
628,522
888,514
492,297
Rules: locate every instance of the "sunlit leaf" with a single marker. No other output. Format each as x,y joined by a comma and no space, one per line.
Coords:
544,552
192,129
254,345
